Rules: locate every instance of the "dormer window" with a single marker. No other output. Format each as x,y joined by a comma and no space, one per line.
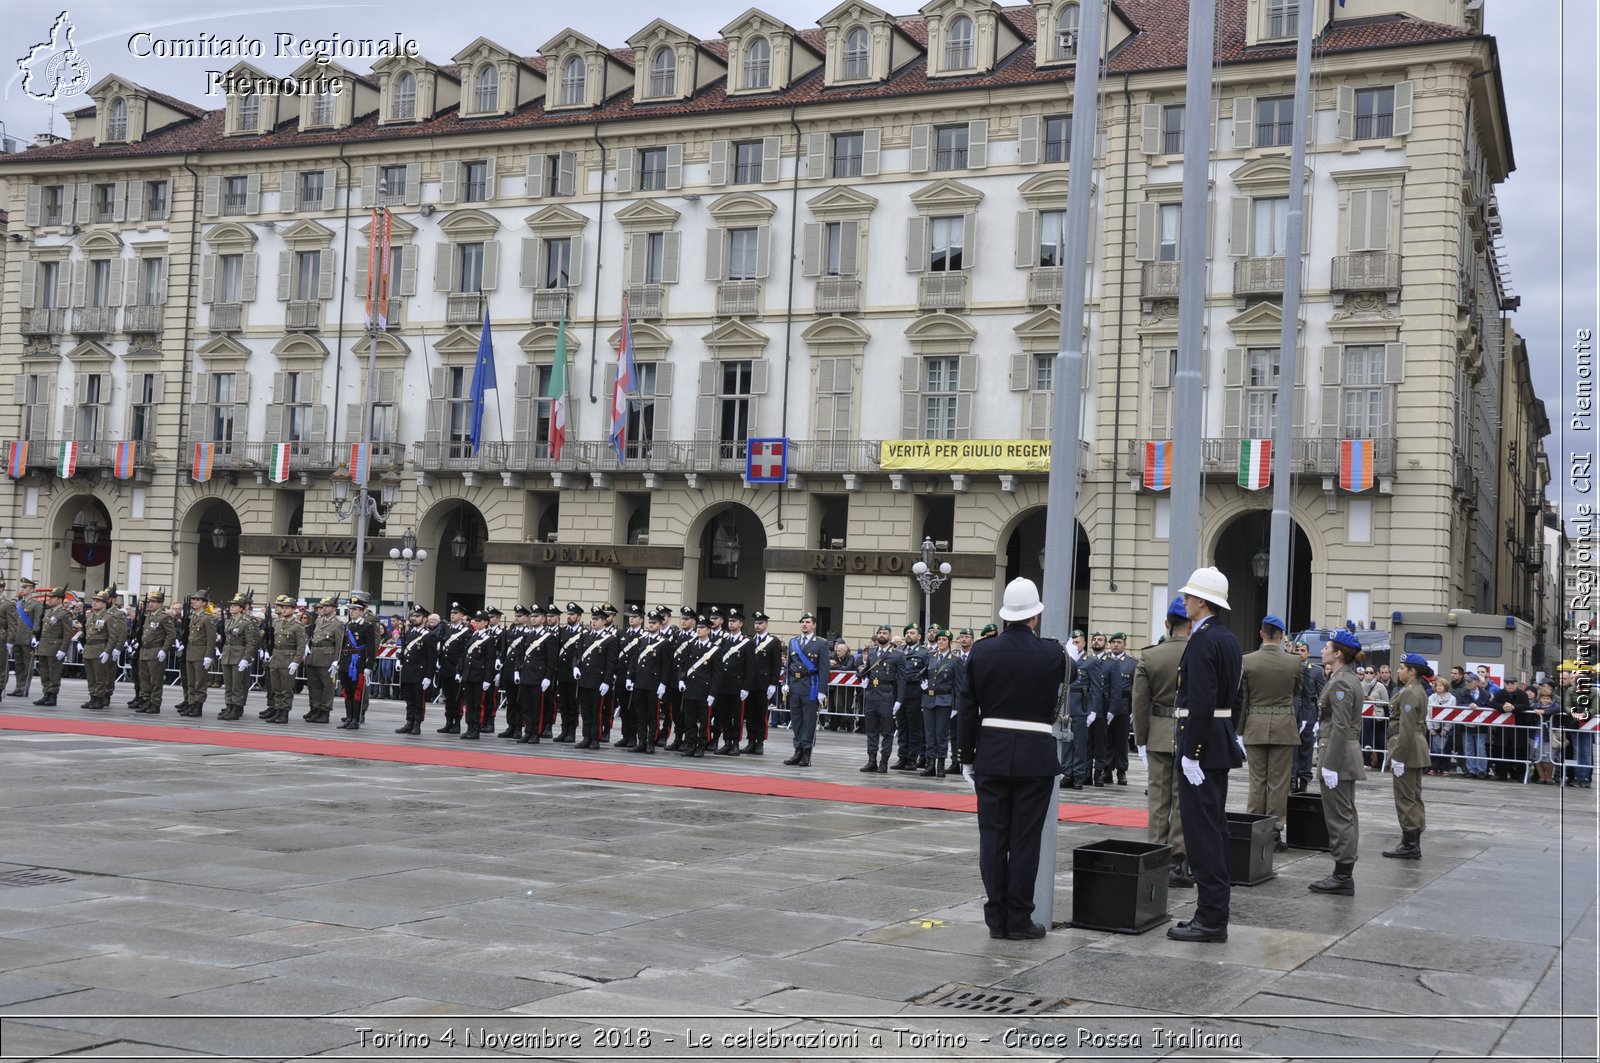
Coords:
117,120
958,44
857,55
404,102
572,81
758,64
1067,32
663,72
1283,18
249,113
322,108
486,94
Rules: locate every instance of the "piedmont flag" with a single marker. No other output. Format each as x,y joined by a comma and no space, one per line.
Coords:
1158,464
278,464
619,393
127,452
67,461
360,462
482,380
1355,464
204,455
17,459
558,390
1255,464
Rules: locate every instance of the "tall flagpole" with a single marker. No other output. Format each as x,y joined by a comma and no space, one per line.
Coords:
1187,396
377,318
1289,341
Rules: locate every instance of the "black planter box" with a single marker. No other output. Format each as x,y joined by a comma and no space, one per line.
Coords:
1120,886
1307,827
1250,842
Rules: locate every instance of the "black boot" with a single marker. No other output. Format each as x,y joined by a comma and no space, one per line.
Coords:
470,734
46,702
1341,883
902,764
883,764
939,767
509,732
928,772
793,761
677,744
805,757
1408,849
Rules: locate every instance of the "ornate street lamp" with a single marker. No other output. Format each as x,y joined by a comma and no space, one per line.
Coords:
930,579
409,557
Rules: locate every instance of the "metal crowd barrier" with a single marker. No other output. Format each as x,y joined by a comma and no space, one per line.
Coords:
1510,743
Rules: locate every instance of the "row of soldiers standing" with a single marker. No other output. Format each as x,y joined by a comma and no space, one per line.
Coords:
910,691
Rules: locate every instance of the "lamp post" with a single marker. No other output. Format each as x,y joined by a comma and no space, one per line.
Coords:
6,548
409,557
930,579
377,324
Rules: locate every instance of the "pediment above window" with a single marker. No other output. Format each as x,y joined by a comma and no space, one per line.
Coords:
540,342
742,207
89,351
1265,175
648,340
947,195
940,334
458,341
556,219
1040,333
1261,324
389,347
299,347
647,214
469,225
841,202
224,349
734,339
400,230
101,242
835,332
230,236
307,235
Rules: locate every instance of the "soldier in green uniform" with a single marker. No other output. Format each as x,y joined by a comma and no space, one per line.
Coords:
288,650
1339,759
199,651
1268,729
105,630
322,667
241,637
157,637
9,622
1408,752
1155,697
55,632
26,614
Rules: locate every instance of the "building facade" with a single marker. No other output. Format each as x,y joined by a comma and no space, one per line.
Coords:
837,236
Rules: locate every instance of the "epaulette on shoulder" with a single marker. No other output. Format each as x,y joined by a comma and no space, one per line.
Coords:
1152,646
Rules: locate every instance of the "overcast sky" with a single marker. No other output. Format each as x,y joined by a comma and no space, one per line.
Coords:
1549,204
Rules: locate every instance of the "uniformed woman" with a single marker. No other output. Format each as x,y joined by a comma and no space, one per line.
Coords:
1408,752
1339,759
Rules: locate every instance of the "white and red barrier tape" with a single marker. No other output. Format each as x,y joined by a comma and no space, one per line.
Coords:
1470,716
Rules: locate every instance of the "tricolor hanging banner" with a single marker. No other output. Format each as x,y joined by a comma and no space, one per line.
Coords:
623,385
358,463
1355,464
127,453
1158,464
204,455
558,390
1255,464
67,461
278,464
17,459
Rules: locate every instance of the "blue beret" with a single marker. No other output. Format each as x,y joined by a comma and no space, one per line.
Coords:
1274,622
1347,639
1415,660
1177,608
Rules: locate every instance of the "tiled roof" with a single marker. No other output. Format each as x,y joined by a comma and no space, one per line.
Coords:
1159,42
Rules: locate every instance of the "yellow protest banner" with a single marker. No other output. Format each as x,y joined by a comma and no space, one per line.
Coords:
964,455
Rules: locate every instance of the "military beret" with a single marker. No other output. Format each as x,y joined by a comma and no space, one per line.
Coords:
942,633
1115,635
1097,634
1273,622
1344,638
330,601
911,627
884,627
988,629
965,631
807,616
1077,633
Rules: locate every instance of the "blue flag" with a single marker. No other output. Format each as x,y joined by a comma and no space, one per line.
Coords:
482,380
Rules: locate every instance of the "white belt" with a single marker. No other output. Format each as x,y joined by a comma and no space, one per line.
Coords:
1017,725
1181,714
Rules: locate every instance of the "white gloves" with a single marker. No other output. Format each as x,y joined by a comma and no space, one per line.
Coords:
682,686
1398,768
1093,716
516,677
263,654
1143,758
368,673
896,707
294,666
333,671
1240,740
923,684
1191,771
458,677
117,654
628,683
771,690
744,695
426,682
577,673
206,664
605,688
1330,779
104,657
61,655
786,690
161,655
711,700
1303,727
244,665
661,690
1316,729
33,643
544,684
498,664
486,684
966,773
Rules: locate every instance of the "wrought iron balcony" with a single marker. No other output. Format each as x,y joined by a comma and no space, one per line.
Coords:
1310,456
227,317
1533,555
1366,271
94,320
1044,286
303,315
838,295
738,298
644,301
43,322
138,319
660,456
233,204
1158,280
1532,498
463,308
1258,276
304,456
548,303
384,454
942,291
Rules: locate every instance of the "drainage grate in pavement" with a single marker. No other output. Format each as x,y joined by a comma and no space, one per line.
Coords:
990,1001
31,878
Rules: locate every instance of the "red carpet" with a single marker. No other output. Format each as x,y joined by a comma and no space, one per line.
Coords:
599,767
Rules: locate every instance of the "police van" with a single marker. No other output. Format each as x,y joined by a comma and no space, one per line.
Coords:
1502,643
1374,644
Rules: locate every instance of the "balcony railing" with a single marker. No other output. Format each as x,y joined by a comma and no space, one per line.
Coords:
548,303
143,318
233,204
94,320
738,298
1366,271
303,314
942,291
838,295
463,308
385,454
43,322
227,317
1258,276
303,456
1532,498
1310,456
1044,286
644,301
1158,280
1533,555
664,456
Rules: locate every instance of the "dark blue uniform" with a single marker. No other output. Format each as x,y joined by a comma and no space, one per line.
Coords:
1003,728
1116,713
1208,696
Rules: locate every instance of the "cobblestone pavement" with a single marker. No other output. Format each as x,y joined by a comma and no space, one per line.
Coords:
174,900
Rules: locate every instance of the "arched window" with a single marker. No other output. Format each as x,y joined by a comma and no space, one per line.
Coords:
572,75
250,113
857,55
117,120
958,44
758,64
1067,32
488,94
663,71
322,108
404,103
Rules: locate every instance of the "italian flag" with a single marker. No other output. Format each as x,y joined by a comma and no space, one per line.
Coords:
278,469
1255,464
558,391
67,460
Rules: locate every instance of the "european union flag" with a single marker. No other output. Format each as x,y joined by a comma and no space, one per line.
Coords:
482,380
